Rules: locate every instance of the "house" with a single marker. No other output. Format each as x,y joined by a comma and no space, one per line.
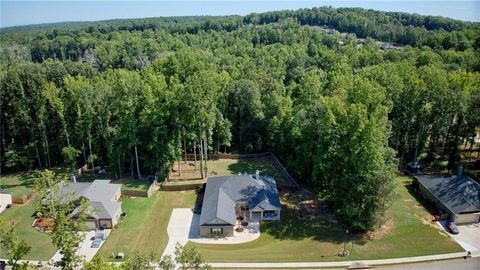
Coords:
457,195
5,199
229,198
104,208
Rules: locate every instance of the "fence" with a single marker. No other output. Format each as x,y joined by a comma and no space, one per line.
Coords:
276,163
140,193
180,187
20,200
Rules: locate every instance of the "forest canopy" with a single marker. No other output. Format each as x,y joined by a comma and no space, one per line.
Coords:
339,111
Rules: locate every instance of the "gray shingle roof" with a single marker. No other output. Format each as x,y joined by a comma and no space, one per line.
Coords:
100,193
222,193
459,194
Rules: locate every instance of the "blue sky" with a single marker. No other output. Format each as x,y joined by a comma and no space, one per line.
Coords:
19,12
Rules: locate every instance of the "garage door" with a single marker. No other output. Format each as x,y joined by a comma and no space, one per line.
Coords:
91,224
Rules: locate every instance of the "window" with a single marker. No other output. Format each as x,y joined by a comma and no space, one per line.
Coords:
216,230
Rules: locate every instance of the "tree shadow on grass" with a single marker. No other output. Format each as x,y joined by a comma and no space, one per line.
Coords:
249,166
291,227
431,208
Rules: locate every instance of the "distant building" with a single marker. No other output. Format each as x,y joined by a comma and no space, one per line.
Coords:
104,209
457,195
226,198
387,46
5,199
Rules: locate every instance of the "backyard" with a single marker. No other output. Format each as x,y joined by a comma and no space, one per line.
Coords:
22,215
408,232
221,167
144,229
21,184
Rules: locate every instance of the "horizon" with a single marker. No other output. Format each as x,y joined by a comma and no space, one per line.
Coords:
28,13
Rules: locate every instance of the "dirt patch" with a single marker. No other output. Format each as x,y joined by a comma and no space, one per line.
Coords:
307,205
427,220
385,229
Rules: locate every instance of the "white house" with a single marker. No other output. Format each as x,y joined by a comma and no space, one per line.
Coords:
5,199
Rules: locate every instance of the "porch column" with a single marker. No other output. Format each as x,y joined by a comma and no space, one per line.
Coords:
261,215
278,214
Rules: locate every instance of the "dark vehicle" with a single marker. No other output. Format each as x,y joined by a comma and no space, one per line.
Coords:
152,178
198,208
3,264
96,243
452,227
414,167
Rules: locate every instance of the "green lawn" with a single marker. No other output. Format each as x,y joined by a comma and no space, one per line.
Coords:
222,167
297,240
145,227
22,215
21,184
18,184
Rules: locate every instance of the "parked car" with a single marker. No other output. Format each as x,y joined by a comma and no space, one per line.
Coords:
452,227
414,167
96,243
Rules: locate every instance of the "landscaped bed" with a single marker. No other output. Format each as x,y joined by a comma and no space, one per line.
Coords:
41,243
144,229
408,232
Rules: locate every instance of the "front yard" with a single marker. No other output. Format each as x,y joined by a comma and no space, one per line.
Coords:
22,215
145,226
409,232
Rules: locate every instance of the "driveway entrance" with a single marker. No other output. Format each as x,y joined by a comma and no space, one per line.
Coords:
468,236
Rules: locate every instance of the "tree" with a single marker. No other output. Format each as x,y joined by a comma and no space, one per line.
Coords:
66,232
70,155
189,258
14,247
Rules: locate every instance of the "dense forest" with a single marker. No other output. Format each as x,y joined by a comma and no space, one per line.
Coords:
133,95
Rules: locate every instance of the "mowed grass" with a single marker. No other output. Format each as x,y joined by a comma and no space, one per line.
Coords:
21,184
145,227
18,184
22,215
222,167
409,232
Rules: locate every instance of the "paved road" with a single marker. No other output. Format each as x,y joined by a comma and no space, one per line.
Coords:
460,264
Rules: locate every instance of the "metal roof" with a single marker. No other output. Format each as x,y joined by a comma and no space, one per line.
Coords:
459,194
223,192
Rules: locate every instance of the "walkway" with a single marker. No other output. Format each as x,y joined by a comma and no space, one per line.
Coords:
340,264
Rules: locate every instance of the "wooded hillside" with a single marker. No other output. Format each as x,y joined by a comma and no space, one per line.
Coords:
133,95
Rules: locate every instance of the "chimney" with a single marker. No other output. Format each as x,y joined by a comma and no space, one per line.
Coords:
459,171
257,174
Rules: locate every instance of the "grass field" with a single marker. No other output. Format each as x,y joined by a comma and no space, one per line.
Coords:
21,184
145,227
221,167
22,215
408,233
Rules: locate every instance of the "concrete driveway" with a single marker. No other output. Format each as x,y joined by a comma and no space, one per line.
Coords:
84,250
468,236
179,228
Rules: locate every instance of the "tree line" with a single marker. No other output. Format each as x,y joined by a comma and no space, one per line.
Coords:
341,117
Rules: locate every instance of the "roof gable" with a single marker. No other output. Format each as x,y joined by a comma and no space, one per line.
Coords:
222,193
